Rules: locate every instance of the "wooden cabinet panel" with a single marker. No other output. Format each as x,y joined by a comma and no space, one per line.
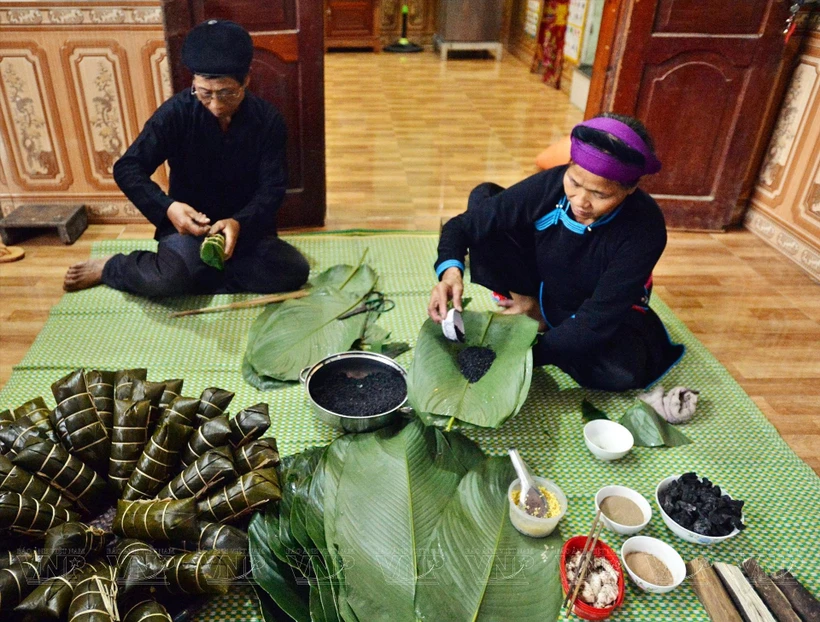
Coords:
352,23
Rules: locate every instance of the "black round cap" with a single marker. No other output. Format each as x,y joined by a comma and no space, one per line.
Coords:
218,47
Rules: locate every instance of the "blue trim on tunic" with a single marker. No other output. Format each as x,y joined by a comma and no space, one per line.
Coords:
561,214
450,263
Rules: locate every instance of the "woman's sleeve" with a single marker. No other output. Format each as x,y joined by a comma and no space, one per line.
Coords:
621,286
517,206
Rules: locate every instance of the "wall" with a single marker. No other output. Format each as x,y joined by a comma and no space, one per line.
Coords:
77,81
785,207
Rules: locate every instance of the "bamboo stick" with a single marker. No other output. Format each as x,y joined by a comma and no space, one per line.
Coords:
748,603
256,302
771,595
711,593
802,601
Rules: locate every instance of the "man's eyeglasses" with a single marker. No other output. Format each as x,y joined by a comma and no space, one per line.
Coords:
223,95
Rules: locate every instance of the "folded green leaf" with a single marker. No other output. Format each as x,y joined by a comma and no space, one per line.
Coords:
101,387
286,338
9,558
249,424
649,429
166,520
70,541
250,491
138,565
95,595
124,381
16,582
129,436
203,572
437,386
213,403
24,515
210,470
158,461
216,536
77,423
16,479
181,410
590,412
144,609
173,388
151,391
257,454
50,599
64,472
37,413
14,435
211,434
212,251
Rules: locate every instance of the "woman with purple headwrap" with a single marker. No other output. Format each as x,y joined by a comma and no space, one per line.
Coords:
573,247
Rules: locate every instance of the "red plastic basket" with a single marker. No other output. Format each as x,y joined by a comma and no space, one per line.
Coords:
581,609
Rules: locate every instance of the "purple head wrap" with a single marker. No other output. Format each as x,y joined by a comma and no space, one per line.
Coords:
608,166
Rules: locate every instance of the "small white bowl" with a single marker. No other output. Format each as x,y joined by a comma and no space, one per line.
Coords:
681,531
663,552
534,526
632,495
607,440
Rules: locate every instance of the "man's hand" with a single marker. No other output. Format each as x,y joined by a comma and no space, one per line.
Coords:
186,220
230,229
449,288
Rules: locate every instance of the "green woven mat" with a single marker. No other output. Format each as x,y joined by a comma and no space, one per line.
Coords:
734,444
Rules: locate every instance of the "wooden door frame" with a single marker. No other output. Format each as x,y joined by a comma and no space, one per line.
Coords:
606,67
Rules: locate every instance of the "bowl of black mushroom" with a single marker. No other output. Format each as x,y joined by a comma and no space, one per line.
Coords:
698,511
356,391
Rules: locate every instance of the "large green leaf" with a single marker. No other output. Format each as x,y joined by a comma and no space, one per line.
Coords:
381,522
286,338
482,568
436,385
649,429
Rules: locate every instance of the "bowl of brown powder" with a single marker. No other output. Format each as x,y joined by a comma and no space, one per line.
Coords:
652,564
623,510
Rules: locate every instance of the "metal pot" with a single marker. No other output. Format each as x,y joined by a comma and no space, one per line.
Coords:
352,363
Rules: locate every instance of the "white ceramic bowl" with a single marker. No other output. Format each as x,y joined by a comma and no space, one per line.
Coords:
632,495
679,530
663,552
534,526
607,440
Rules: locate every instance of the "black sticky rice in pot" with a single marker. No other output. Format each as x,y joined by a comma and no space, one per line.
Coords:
373,394
474,362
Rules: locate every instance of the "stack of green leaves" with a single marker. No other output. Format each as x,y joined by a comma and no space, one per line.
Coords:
404,523
212,251
437,388
298,333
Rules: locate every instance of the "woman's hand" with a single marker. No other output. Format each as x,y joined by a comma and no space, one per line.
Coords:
524,305
449,288
186,220
230,229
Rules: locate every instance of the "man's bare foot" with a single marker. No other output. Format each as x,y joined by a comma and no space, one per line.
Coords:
84,275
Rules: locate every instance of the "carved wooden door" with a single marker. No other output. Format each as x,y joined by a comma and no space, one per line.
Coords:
352,24
287,70
703,76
